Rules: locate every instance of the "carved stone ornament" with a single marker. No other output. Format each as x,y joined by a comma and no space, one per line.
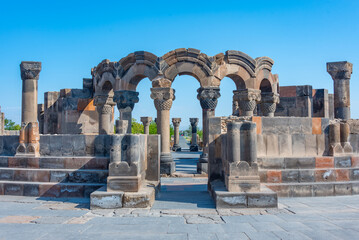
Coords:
30,70
163,98
126,100
208,97
176,122
340,70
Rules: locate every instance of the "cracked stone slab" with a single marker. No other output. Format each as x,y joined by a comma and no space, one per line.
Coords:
50,220
203,219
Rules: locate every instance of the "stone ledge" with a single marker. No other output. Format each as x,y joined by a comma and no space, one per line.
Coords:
265,198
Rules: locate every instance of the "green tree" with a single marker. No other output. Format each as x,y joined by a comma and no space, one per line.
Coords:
172,131
11,125
136,128
153,127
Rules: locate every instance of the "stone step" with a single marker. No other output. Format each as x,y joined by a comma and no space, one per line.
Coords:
55,190
86,162
309,175
54,175
315,189
307,162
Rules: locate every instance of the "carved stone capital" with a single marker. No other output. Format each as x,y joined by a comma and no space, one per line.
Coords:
247,100
104,104
194,122
146,120
269,97
126,100
176,122
104,66
30,70
163,98
208,97
340,70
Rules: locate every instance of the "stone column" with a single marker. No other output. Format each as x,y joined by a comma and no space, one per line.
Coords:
29,133
242,169
341,73
194,145
344,138
268,105
208,98
104,105
126,100
121,126
247,100
176,123
335,148
163,98
146,124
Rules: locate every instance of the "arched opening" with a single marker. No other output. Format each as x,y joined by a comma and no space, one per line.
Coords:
226,106
265,86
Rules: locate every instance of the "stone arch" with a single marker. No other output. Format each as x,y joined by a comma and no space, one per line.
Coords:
135,67
103,73
236,65
189,61
265,86
263,72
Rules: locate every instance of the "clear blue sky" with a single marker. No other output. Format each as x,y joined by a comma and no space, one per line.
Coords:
71,37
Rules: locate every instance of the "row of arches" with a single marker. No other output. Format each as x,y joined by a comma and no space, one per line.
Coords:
246,72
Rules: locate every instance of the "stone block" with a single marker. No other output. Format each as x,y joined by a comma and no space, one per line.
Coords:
298,144
261,200
323,189
99,145
49,190
2,191
141,199
281,190
16,189
355,188
124,183
261,145
202,167
55,145
325,175
7,174
321,144
101,199
354,174
51,162
167,167
324,162
45,145
316,126
311,145
301,190
285,144
306,176
290,163
10,144
31,190
79,145
342,175
342,162
290,176
342,189
306,163
88,189
153,157
4,161
90,144
67,148
59,176
72,191
270,163
274,176
263,175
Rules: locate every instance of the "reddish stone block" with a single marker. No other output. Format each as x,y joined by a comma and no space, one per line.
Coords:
32,175
85,105
342,174
33,163
288,91
274,176
16,162
49,190
41,176
97,163
324,162
316,126
325,175
355,161
258,121
2,189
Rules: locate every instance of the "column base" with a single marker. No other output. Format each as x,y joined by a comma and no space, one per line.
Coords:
202,167
124,183
167,168
193,148
176,148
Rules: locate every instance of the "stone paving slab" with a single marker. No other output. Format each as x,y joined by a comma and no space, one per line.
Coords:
296,218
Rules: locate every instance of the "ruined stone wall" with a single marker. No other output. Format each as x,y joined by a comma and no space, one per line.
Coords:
304,101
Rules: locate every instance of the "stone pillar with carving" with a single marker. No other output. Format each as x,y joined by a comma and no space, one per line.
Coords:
268,104
194,145
163,97
104,106
341,73
126,100
208,98
29,139
176,123
247,100
146,124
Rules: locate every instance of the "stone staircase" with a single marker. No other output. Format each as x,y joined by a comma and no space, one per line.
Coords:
310,176
60,177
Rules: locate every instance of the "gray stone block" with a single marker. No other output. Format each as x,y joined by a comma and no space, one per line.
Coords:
101,199
321,144
202,167
272,145
355,188
306,176
298,144
90,144
326,189
55,145
354,174
144,198
311,145
153,157
285,144
300,190
4,161
290,175
31,190
342,162
343,189
262,200
79,145
10,144
271,162
45,149
167,167
261,145
305,163
67,148
291,163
